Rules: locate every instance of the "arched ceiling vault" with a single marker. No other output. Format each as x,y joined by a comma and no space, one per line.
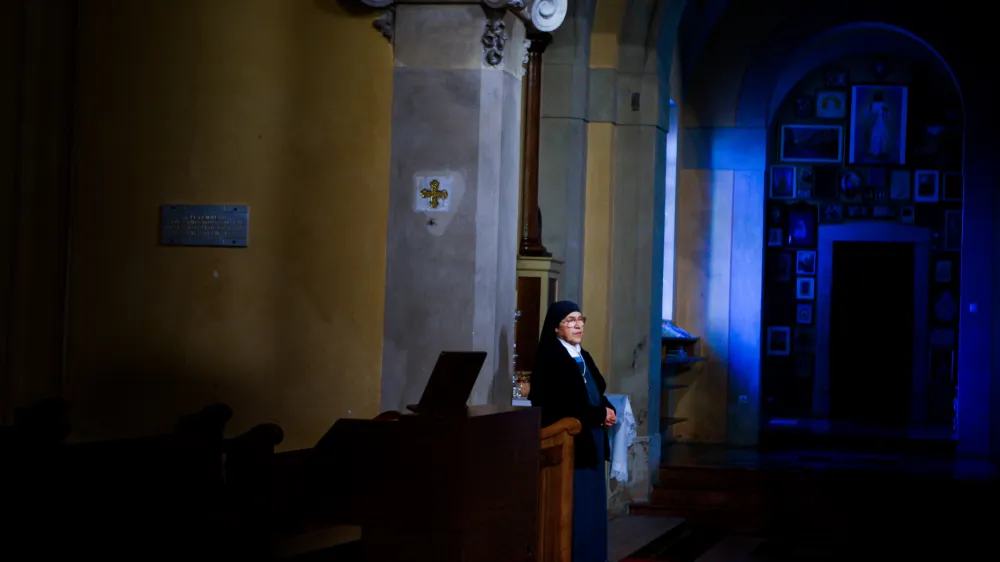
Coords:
850,40
734,52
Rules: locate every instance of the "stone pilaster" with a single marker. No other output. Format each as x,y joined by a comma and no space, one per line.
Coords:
452,231
563,148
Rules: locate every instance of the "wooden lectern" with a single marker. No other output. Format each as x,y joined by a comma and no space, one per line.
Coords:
443,488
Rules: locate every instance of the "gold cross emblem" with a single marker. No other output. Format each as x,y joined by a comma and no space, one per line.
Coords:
434,194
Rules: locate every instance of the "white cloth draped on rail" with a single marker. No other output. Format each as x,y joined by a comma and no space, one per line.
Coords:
622,435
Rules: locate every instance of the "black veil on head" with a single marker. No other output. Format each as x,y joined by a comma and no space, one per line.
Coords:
558,311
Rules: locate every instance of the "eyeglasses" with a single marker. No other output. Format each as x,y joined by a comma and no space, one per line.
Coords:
577,321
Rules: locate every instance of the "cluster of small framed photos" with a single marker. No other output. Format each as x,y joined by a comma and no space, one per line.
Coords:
847,152
943,337
800,339
791,239
844,153
851,193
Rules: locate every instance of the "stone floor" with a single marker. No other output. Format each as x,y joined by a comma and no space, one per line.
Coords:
808,458
688,544
628,534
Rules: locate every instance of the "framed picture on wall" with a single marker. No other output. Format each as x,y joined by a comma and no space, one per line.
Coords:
926,186
943,337
942,271
812,143
831,214
774,236
803,106
776,215
782,182
802,226
883,212
906,214
953,231
878,124
953,187
804,180
836,78
805,288
779,340
942,363
805,262
804,339
858,212
851,185
782,267
936,145
899,185
804,314
831,104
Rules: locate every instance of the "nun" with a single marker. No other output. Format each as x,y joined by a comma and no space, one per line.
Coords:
565,383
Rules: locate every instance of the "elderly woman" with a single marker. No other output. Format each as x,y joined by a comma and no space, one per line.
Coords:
565,383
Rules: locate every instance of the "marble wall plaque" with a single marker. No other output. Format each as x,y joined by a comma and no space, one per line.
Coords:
204,225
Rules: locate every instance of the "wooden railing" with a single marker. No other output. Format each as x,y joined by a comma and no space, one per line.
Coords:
555,492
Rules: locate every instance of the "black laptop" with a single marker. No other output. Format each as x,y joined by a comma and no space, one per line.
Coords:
451,383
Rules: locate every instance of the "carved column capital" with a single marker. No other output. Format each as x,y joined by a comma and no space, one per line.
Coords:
538,42
386,23
494,37
538,15
548,15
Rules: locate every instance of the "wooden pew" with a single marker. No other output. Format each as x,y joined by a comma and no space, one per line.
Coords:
442,488
117,498
555,495
194,492
298,502
43,425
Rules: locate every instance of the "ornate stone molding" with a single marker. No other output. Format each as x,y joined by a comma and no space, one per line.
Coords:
538,15
386,22
548,15
494,38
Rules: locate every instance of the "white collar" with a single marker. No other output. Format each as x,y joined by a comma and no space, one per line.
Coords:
573,349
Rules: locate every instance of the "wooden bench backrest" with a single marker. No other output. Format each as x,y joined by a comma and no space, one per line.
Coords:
555,492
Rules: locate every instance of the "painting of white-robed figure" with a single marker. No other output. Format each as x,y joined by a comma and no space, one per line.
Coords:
878,125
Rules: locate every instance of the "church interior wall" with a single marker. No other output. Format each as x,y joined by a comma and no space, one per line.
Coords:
10,64
281,106
729,91
628,114
933,118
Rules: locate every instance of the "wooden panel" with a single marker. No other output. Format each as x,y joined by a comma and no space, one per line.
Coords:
529,296
555,496
447,489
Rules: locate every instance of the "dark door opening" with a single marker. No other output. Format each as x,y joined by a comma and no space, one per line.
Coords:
871,332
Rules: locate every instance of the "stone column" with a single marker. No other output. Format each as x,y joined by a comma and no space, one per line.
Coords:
562,175
635,292
452,240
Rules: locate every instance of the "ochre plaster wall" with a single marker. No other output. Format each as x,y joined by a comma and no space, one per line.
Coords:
10,18
282,105
703,247
598,225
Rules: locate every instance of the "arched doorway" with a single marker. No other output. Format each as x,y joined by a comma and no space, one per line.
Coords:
864,167
732,76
